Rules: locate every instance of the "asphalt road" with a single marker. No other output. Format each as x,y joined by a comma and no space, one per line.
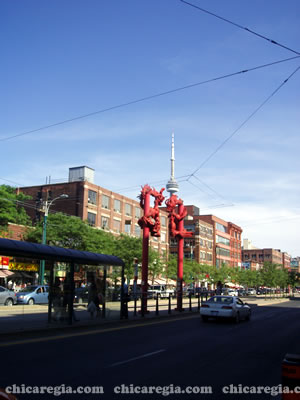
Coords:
179,352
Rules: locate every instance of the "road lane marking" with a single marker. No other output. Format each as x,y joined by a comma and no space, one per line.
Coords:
136,358
93,332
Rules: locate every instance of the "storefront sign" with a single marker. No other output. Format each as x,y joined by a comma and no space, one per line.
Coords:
4,262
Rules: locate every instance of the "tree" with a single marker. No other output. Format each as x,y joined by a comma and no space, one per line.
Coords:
128,248
268,274
11,209
72,233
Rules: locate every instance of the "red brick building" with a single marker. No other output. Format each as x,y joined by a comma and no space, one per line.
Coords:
227,241
262,255
214,241
102,208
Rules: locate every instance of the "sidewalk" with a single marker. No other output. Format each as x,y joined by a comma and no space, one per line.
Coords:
22,320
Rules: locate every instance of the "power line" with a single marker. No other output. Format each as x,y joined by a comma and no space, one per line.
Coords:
240,26
7,180
146,98
243,123
209,187
281,219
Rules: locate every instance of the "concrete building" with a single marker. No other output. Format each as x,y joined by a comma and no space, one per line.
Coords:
102,208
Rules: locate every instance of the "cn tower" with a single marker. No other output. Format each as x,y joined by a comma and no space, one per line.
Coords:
172,185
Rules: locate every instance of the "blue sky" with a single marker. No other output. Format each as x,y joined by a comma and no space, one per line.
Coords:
61,59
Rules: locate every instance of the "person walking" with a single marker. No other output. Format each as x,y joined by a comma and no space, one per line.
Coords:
93,300
56,296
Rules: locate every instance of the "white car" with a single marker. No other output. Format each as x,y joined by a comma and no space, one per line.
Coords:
161,291
230,292
225,307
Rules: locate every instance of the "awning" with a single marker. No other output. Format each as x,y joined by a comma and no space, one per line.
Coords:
20,274
4,273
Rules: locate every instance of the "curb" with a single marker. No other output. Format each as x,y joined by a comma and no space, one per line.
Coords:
52,330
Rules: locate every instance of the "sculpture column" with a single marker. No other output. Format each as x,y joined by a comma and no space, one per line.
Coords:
146,234
180,242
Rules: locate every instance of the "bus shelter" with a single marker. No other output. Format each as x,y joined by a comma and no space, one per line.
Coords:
74,260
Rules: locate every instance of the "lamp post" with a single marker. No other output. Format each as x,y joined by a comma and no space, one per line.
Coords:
46,206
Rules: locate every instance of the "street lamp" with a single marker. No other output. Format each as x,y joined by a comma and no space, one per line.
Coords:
46,206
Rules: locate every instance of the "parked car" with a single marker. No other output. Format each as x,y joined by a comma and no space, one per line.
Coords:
263,291
225,307
7,297
160,290
242,293
81,295
251,291
229,292
33,295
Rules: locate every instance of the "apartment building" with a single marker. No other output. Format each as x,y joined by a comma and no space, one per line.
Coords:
227,241
102,208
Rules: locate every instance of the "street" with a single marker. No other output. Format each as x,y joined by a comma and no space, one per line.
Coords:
182,351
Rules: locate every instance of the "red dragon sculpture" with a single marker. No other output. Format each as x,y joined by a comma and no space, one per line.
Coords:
150,218
175,218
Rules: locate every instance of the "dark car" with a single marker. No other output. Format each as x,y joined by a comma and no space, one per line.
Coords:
242,293
7,297
81,295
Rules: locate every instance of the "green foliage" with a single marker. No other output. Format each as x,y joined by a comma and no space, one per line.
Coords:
128,248
10,209
72,233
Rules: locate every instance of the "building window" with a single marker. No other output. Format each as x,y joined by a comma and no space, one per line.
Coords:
104,222
137,230
222,252
253,256
221,239
128,209
202,255
189,228
163,237
221,227
128,227
209,244
209,256
163,221
105,202
91,219
92,197
137,212
117,225
117,206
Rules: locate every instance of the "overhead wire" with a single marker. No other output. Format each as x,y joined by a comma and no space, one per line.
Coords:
244,122
240,26
146,98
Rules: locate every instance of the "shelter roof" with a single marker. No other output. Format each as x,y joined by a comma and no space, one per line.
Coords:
17,248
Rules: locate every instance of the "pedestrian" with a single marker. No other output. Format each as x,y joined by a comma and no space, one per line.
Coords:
124,299
56,295
67,297
93,300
